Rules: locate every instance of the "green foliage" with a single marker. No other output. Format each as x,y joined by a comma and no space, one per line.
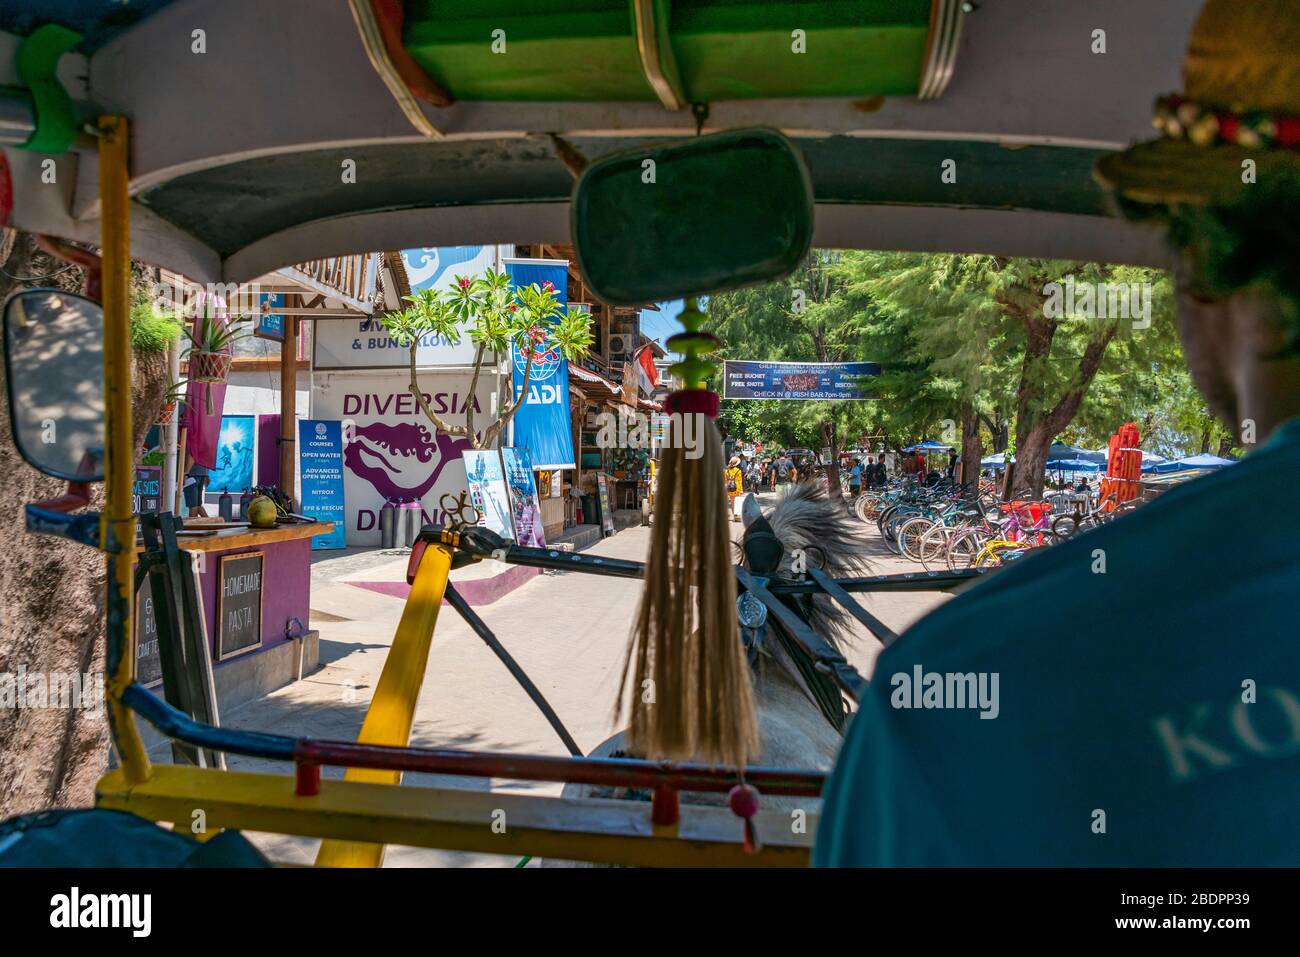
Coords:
151,329
494,314
958,336
208,334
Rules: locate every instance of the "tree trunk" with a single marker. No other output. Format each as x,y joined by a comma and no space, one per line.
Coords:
1225,446
1036,427
830,437
1031,461
52,594
972,450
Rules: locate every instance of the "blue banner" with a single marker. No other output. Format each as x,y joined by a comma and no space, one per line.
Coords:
542,424
320,466
270,325
798,380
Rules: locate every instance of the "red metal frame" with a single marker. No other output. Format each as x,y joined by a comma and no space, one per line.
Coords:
310,755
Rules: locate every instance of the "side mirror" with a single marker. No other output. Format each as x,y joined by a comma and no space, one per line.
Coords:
694,217
54,370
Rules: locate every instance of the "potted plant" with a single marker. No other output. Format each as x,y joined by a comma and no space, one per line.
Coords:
209,353
173,399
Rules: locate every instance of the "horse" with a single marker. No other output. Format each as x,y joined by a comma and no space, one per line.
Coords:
801,713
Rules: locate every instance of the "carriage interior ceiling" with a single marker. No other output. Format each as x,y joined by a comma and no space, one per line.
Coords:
256,187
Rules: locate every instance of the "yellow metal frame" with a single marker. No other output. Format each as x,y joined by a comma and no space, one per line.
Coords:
352,813
117,521
392,709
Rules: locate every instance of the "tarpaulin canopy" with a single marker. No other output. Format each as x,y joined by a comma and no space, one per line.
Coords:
1072,465
1061,450
1202,461
929,446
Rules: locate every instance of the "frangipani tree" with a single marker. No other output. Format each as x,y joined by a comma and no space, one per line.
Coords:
495,315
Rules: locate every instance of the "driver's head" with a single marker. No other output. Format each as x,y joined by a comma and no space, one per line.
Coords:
1224,182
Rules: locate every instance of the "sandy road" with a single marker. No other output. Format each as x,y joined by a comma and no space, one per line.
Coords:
567,630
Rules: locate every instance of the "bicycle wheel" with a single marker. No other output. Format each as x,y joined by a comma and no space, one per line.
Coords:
890,528
883,519
963,548
934,544
910,534
1063,526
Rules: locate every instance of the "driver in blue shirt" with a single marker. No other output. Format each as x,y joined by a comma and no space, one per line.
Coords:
1131,696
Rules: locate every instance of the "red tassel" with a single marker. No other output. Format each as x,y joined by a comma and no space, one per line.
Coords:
743,801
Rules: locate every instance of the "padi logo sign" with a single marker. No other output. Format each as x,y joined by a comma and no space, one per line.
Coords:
74,910
545,364
544,394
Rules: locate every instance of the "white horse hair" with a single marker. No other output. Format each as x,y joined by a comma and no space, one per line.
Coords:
792,729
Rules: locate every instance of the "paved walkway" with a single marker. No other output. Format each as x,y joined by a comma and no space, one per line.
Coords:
567,630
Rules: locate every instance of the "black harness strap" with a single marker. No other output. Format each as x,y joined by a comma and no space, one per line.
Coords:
828,660
457,601
886,635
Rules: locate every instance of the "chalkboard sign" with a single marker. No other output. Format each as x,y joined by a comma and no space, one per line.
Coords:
606,510
148,660
146,493
239,604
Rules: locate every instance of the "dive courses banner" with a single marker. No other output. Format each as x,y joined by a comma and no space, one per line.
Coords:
320,462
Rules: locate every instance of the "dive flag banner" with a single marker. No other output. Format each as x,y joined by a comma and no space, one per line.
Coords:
743,379
525,506
320,479
487,490
542,424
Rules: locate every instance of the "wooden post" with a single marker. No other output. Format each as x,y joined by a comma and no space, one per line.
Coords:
289,405
180,470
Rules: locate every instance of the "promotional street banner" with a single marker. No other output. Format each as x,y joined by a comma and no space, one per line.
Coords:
364,343
542,424
743,379
487,490
320,478
390,449
526,508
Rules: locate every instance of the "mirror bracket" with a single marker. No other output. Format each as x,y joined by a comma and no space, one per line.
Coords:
82,529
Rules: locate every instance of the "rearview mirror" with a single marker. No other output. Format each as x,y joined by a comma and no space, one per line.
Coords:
54,369
691,218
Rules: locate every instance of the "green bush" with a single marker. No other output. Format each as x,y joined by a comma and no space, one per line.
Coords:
152,330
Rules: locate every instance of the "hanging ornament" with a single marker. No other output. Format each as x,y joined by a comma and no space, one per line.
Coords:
691,696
